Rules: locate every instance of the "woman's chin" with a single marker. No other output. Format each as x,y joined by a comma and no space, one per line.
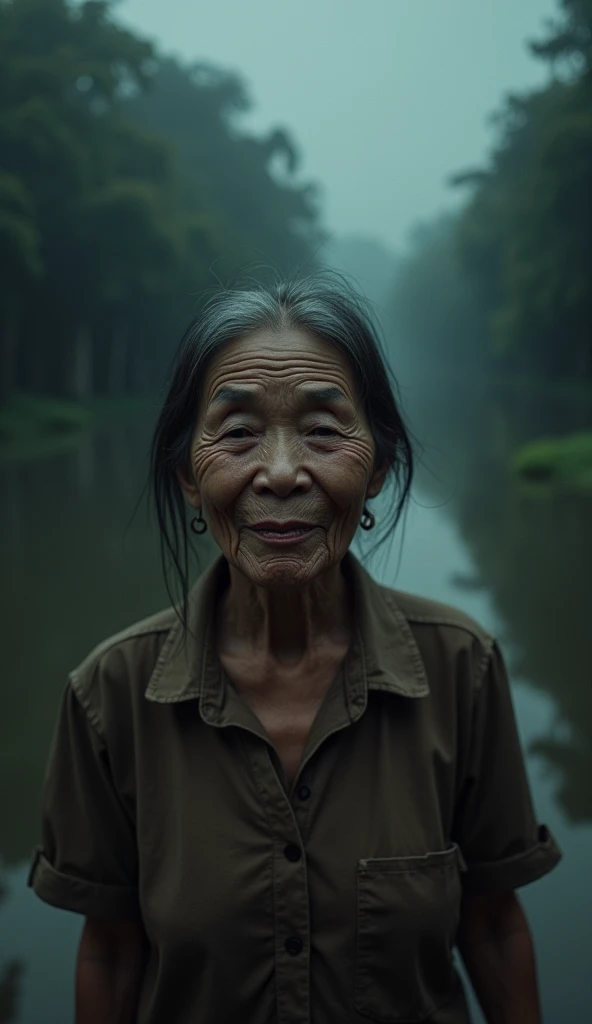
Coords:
282,567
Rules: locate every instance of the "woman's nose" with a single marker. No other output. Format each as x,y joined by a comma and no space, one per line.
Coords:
281,468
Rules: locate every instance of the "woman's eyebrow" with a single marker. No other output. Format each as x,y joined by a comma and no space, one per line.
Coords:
232,394
324,394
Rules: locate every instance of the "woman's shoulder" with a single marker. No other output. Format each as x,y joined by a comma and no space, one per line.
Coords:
119,668
391,607
425,611
449,640
431,632
442,631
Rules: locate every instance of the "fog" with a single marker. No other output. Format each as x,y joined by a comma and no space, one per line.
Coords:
386,98
255,138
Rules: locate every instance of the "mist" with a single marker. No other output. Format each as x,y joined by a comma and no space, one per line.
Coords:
437,154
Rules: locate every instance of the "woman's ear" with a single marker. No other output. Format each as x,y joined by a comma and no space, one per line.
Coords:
189,487
376,482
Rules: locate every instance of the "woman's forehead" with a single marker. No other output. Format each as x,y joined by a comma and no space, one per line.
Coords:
290,354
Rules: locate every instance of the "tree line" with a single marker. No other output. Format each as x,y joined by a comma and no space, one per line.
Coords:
506,283
127,187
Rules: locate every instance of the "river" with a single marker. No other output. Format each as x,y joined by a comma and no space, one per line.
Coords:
78,566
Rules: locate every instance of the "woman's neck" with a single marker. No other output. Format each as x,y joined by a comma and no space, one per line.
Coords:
288,626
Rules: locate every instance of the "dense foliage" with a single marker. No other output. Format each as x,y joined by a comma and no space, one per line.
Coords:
506,283
126,187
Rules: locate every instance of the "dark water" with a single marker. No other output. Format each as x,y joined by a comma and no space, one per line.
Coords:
523,567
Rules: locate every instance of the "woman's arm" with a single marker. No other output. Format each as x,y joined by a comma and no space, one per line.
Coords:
109,970
496,945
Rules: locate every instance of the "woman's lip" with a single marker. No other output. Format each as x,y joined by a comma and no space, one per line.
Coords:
283,536
276,524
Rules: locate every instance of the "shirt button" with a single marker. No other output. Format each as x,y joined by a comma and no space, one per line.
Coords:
294,945
292,852
303,792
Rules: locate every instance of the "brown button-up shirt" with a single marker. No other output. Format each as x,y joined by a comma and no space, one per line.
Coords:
334,900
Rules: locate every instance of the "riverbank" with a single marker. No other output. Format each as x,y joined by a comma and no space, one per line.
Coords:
32,426
543,464
558,464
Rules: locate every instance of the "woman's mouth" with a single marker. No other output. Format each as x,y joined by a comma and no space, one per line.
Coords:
279,533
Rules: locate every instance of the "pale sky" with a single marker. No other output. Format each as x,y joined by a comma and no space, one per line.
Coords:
385,98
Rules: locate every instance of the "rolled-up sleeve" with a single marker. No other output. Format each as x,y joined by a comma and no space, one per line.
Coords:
88,861
495,826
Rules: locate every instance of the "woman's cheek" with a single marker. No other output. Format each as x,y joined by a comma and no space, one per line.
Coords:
222,475
204,459
349,472
218,474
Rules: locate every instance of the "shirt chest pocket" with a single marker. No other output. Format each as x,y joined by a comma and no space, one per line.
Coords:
408,910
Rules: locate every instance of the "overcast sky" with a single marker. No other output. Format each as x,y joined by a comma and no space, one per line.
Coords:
385,98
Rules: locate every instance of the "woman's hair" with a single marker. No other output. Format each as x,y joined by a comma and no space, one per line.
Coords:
322,303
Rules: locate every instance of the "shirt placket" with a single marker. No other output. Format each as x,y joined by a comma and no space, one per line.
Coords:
290,888
291,897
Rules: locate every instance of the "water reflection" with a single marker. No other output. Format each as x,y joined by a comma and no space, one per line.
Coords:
10,975
73,575
534,557
9,989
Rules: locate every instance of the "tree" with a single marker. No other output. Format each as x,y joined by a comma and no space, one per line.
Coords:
21,262
569,38
261,214
524,232
126,180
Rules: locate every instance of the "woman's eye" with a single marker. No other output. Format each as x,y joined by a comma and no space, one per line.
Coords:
325,431
237,433
242,433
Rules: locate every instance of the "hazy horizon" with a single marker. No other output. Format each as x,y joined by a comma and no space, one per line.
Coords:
385,100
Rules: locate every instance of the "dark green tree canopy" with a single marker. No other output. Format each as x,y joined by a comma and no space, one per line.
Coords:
126,179
522,242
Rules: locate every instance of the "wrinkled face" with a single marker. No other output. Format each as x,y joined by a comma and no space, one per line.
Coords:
281,438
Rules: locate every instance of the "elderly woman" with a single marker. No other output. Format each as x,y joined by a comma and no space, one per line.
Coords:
288,798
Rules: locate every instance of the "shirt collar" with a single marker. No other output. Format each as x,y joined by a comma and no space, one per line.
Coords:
383,649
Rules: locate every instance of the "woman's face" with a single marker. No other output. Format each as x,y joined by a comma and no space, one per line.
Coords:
281,437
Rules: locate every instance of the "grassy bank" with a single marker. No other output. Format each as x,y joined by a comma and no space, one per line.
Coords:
36,425
559,464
